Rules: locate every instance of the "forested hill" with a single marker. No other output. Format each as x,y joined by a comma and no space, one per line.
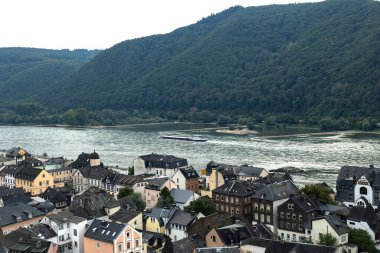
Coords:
305,59
24,72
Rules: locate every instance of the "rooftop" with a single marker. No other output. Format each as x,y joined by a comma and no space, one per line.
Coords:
104,231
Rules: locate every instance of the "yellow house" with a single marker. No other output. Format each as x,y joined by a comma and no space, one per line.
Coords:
156,219
34,180
61,176
214,179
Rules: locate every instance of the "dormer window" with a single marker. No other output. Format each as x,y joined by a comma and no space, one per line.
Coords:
363,190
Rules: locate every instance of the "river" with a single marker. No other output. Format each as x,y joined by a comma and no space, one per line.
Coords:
320,156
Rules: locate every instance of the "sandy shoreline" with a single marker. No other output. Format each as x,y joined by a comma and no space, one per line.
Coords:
243,131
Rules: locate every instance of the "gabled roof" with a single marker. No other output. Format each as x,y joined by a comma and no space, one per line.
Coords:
12,169
188,244
163,161
104,231
10,213
365,214
28,173
64,217
182,218
181,196
233,234
351,172
24,240
262,231
160,213
303,202
156,183
189,172
6,193
54,195
275,246
56,160
238,188
276,191
334,221
117,178
124,216
17,152
42,230
340,210
96,172
248,171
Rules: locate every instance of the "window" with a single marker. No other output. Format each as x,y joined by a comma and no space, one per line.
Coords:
120,247
75,244
268,208
268,218
290,206
98,245
128,245
261,207
352,223
282,235
282,224
293,216
75,232
137,243
294,226
288,237
217,197
288,215
213,238
300,227
256,216
237,201
255,206
363,190
288,225
128,234
294,237
282,214
262,218
237,211
300,217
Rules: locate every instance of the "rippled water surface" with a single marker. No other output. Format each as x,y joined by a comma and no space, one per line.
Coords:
320,156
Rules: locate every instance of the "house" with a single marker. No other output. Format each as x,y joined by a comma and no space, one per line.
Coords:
157,218
56,163
2,178
16,215
204,224
69,229
61,176
94,203
34,180
10,173
187,179
234,197
153,242
115,181
86,177
87,160
229,235
60,199
254,244
31,162
293,214
330,224
354,182
365,218
8,193
189,244
109,237
176,227
160,165
18,154
245,172
182,198
133,218
154,187
24,240
266,200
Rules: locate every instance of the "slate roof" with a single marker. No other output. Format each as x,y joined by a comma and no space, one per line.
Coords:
9,213
45,206
276,191
104,231
83,160
28,173
189,172
238,188
24,240
181,196
163,161
127,203
335,222
303,202
182,218
6,193
92,203
365,214
96,172
287,247
64,217
14,152
334,209
156,183
233,249
56,160
188,244
124,216
262,231
248,170
233,234
42,230
54,195
117,178
18,199
12,169
351,172
31,162
160,213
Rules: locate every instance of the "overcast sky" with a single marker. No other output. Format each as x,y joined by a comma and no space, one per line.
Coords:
99,24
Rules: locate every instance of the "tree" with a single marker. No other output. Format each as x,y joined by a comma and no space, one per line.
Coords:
131,171
76,117
165,199
327,239
202,205
126,191
318,193
361,238
139,202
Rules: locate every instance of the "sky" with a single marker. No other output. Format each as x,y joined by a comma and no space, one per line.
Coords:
100,24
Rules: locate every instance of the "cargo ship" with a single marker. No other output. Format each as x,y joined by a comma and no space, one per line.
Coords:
184,138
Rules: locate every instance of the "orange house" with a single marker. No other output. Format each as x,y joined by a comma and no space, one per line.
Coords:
110,237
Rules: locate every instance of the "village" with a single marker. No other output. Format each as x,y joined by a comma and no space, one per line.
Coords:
163,204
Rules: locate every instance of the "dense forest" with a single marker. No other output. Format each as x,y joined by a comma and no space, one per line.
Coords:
315,62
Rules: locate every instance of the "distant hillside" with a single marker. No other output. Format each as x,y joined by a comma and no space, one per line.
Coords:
304,59
25,72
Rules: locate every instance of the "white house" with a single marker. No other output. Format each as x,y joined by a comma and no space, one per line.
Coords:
160,165
330,224
70,231
177,226
10,174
